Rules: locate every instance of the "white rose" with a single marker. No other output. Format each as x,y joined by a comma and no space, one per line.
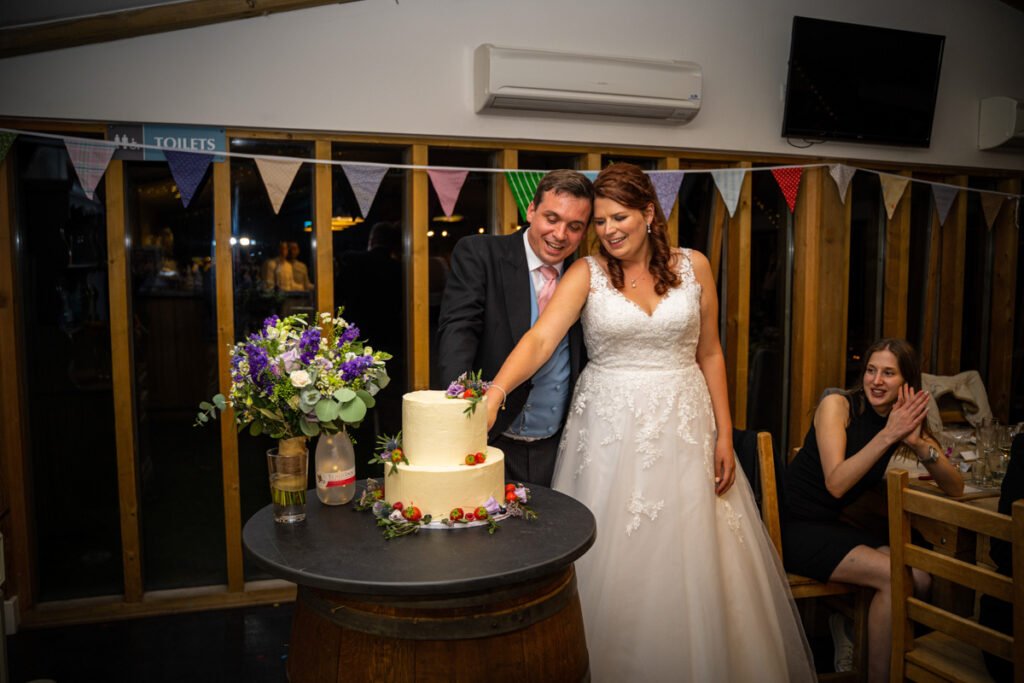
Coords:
299,378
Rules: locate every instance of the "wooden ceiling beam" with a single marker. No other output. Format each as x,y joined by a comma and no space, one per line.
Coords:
139,22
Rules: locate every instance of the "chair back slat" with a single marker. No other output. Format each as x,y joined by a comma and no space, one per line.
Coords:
769,494
953,512
973,576
961,628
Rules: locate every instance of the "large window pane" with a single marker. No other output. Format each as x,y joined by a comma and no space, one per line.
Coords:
921,292
867,269
269,279
696,207
175,366
473,214
369,282
770,272
547,161
67,351
978,257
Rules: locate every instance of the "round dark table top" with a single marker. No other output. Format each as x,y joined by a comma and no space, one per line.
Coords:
339,549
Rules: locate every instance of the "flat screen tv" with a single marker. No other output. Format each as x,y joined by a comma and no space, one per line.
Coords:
861,83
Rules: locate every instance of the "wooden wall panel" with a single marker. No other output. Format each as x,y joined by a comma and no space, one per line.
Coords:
835,279
897,268
124,394
322,192
737,305
930,320
508,212
14,438
951,287
417,273
1004,305
671,164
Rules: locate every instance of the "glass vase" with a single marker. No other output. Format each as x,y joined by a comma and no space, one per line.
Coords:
288,465
335,469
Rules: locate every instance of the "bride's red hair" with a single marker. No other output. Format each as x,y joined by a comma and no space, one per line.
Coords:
628,185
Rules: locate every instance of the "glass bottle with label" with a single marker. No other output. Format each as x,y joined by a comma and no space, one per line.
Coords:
335,469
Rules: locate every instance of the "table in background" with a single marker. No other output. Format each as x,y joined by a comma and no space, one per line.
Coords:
457,604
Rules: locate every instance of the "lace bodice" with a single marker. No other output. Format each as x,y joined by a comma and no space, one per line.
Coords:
619,335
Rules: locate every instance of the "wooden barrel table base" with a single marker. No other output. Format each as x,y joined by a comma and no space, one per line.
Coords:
532,631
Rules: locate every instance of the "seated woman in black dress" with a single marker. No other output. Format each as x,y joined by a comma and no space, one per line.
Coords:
846,452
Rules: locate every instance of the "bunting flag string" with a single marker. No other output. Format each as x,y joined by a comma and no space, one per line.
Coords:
789,182
523,185
729,182
990,205
278,176
447,184
6,140
188,171
893,187
666,186
90,160
943,195
364,180
842,174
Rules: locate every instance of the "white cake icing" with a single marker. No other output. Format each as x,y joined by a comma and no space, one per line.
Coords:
437,432
436,438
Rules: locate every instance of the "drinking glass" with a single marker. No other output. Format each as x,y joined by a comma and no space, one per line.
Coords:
986,442
1001,456
288,485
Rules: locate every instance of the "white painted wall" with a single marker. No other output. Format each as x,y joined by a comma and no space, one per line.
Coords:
405,67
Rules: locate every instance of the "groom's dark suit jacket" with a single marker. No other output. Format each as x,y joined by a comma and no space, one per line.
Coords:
486,310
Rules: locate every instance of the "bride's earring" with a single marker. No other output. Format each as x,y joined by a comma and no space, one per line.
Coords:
648,228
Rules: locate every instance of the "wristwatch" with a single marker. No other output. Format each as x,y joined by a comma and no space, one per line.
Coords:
933,456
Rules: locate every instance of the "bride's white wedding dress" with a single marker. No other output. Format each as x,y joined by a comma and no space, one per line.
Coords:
681,585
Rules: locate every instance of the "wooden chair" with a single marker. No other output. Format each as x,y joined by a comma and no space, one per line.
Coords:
952,651
805,588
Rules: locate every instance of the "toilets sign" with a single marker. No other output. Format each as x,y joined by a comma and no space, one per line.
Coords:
177,138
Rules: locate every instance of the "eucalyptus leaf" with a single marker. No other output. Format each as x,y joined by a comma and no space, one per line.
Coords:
205,405
203,417
220,401
353,411
383,380
327,409
309,428
272,414
367,399
255,428
344,395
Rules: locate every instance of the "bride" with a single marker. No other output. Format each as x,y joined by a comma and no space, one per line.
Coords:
682,582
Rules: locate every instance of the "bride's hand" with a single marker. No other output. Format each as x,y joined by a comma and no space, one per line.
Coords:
725,467
494,401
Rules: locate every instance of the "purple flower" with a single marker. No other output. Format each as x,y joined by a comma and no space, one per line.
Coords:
350,334
455,390
492,506
381,509
354,369
272,321
309,344
522,494
258,362
290,358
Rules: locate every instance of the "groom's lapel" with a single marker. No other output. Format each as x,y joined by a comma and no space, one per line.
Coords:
516,286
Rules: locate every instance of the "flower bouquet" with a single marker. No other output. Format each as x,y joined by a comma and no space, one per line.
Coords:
290,380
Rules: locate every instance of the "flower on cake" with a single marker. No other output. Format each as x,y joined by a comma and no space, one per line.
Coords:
389,451
292,379
470,387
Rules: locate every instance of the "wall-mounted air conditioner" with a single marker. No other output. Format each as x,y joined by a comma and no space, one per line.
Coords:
1000,123
511,79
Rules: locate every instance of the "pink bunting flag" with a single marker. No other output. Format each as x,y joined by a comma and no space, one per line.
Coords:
188,169
365,181
990,205
789,182
893,187
90,160
943,196
666,185
278,175
842,174
447,184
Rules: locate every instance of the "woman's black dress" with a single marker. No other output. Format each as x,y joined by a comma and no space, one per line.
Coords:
814,540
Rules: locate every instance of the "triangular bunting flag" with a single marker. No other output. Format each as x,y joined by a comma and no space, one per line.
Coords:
789,182
666,185
591,175
6,140
278,175
842,174
990,205
447,185
188,169
523,184
943,196
365,181
90,160
893,187
729,184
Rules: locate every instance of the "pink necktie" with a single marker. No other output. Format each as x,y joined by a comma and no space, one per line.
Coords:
550,281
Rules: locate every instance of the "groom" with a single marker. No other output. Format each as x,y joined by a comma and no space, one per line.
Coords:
493,295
